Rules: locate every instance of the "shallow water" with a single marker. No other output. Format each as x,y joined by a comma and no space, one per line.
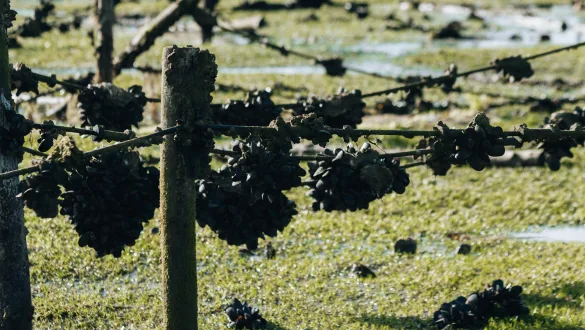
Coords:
378,57
554,234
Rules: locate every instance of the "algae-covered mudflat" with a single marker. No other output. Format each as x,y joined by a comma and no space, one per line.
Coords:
309,285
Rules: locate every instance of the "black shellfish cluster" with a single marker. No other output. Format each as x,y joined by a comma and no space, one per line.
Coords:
350,179
496,300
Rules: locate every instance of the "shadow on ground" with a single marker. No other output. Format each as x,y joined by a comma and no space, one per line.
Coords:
398,322
567,296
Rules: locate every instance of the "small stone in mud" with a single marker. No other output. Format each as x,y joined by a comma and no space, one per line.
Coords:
515,37
449,31
405,246
362,271
464,249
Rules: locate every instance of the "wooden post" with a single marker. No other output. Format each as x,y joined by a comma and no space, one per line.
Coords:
188,78
104,41
16,309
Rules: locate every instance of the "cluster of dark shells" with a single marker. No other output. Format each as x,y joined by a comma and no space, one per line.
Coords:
22,79
35,26
260,171
557,148
244,201
350,179
343,108
308,126
48,136
107,197
41,191
257,109
473,146
513,68
112,107
478,142
333,66
236,217
243,316
496,300
13,133
109,202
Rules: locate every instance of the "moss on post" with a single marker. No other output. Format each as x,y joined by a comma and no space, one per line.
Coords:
187,82
16,309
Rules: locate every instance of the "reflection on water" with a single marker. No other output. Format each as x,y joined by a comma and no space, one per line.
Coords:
555,234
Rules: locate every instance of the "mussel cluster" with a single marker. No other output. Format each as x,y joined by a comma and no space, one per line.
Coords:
110,106
350,179
109,201
35,26
40,192
496,300
48,136
333,66
343,108
244,200
12,135
473,146
22,79
106,197
513,68
557,148
308,126
477,143
257,109
262,172
238,218
242,316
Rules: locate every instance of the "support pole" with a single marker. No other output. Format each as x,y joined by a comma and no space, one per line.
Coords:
188,78
104,44
16,309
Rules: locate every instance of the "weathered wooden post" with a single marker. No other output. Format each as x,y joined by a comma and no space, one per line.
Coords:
16,309
104,42
188,78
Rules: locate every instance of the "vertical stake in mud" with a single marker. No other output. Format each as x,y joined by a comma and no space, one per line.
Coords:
104,40
188,78
16,309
